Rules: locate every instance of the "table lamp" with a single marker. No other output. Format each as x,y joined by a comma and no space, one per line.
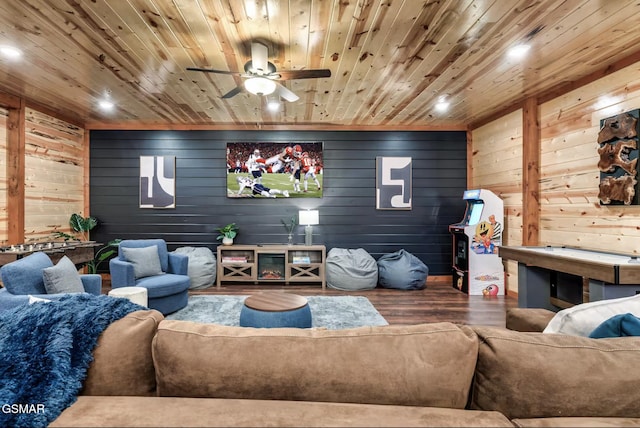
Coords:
308,218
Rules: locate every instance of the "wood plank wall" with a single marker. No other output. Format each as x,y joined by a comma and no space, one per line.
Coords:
570,212
496,164
348,218
54,175
4,215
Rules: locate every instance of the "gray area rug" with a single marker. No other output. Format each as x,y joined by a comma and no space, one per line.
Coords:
332,312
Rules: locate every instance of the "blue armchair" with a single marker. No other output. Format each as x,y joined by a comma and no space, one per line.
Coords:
167,288
23,277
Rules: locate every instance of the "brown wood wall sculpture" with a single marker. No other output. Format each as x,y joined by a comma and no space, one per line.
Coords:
618,150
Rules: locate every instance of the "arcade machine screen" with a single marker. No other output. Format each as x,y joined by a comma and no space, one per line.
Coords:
476,211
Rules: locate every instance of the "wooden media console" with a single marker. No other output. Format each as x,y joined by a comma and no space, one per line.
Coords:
264,264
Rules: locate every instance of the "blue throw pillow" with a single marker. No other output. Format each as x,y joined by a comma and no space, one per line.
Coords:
618,326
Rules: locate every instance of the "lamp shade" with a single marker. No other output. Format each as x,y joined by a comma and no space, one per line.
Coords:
309,217
260,85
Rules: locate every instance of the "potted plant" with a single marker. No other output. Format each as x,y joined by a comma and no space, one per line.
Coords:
80,225
227,233
103,254
290,225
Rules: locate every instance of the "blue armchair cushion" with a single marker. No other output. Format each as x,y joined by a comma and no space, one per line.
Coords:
62,278
165,285
145,261
24,276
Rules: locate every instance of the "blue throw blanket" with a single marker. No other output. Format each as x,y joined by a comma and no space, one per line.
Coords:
618,326
45,351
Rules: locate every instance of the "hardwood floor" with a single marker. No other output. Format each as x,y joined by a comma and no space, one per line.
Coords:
438,302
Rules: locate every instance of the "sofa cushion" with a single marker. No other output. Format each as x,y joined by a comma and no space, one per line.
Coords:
581,320
535,375
122,362
418,365
62,278
209,412
145,260
528,319
577,422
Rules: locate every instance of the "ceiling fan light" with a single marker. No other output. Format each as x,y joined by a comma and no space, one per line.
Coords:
273,104
260,86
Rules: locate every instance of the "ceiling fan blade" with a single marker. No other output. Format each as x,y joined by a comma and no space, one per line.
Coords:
304,74
209,70
285,93
232,93
260,58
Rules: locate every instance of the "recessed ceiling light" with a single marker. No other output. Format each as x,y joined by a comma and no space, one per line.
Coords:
10,52
106,105
518,51
442,105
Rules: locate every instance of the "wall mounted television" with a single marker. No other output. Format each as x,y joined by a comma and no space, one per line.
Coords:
271,170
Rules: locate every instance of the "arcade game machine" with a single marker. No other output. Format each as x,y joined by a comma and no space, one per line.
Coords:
477,268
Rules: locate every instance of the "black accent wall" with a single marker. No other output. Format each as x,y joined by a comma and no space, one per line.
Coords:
348,215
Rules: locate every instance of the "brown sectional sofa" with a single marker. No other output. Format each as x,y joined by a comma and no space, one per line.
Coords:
153,372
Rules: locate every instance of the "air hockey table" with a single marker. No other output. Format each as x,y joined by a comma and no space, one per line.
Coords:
556,277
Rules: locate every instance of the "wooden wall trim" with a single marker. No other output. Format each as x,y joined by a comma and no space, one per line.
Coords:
9,101
56,115
495,116
16,173
86,165
565,88
469,160
562,89
12,101
530,172
133,126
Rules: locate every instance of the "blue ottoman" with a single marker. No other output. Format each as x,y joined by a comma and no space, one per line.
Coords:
275,309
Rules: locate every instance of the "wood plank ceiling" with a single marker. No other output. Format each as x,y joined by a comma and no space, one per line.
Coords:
390,59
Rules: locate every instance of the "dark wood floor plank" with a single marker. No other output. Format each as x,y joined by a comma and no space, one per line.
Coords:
439,302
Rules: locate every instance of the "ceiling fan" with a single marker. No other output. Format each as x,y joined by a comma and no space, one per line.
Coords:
261,75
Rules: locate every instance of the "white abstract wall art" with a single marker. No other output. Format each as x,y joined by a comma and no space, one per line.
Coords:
157,181
393,183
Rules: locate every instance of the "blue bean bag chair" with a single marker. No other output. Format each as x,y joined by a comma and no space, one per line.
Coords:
201,268
402,270
349,269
